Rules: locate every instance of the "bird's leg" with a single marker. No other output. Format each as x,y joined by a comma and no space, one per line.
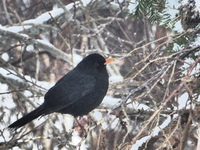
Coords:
82,131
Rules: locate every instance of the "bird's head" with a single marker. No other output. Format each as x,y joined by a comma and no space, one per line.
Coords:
94,62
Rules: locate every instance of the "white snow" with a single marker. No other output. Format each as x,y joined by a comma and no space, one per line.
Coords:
39,20
132,6
140,142
86,2
5,56
48,15
27,93
6,99
9,74
30,48
198,5
69,120
76,58
110,101
115,78
162,126
46,42
182,101
15,29
96,115
139,106
155,132
45,17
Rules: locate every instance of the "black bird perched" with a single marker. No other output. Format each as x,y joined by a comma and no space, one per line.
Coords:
77,93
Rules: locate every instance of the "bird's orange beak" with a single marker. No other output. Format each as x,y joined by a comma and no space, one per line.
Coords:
109,60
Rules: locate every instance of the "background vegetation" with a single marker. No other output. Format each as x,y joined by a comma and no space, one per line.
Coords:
153,98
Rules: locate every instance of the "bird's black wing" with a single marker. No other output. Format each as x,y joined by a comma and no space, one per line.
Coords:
69,89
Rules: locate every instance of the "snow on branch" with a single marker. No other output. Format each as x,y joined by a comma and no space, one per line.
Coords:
41,44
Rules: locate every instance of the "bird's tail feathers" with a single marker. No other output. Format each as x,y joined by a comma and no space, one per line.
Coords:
28,118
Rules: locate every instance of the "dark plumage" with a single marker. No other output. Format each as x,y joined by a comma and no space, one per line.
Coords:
77,93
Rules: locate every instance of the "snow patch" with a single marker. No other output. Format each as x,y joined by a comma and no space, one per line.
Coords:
5,56
116,78
45,17
9,74
17,29
39,20
139,106
46,42
110,101
30,48
139,142
86,2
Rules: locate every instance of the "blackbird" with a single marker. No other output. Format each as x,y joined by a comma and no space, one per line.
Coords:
77,93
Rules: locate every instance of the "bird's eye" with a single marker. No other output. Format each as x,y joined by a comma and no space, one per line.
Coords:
96,64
